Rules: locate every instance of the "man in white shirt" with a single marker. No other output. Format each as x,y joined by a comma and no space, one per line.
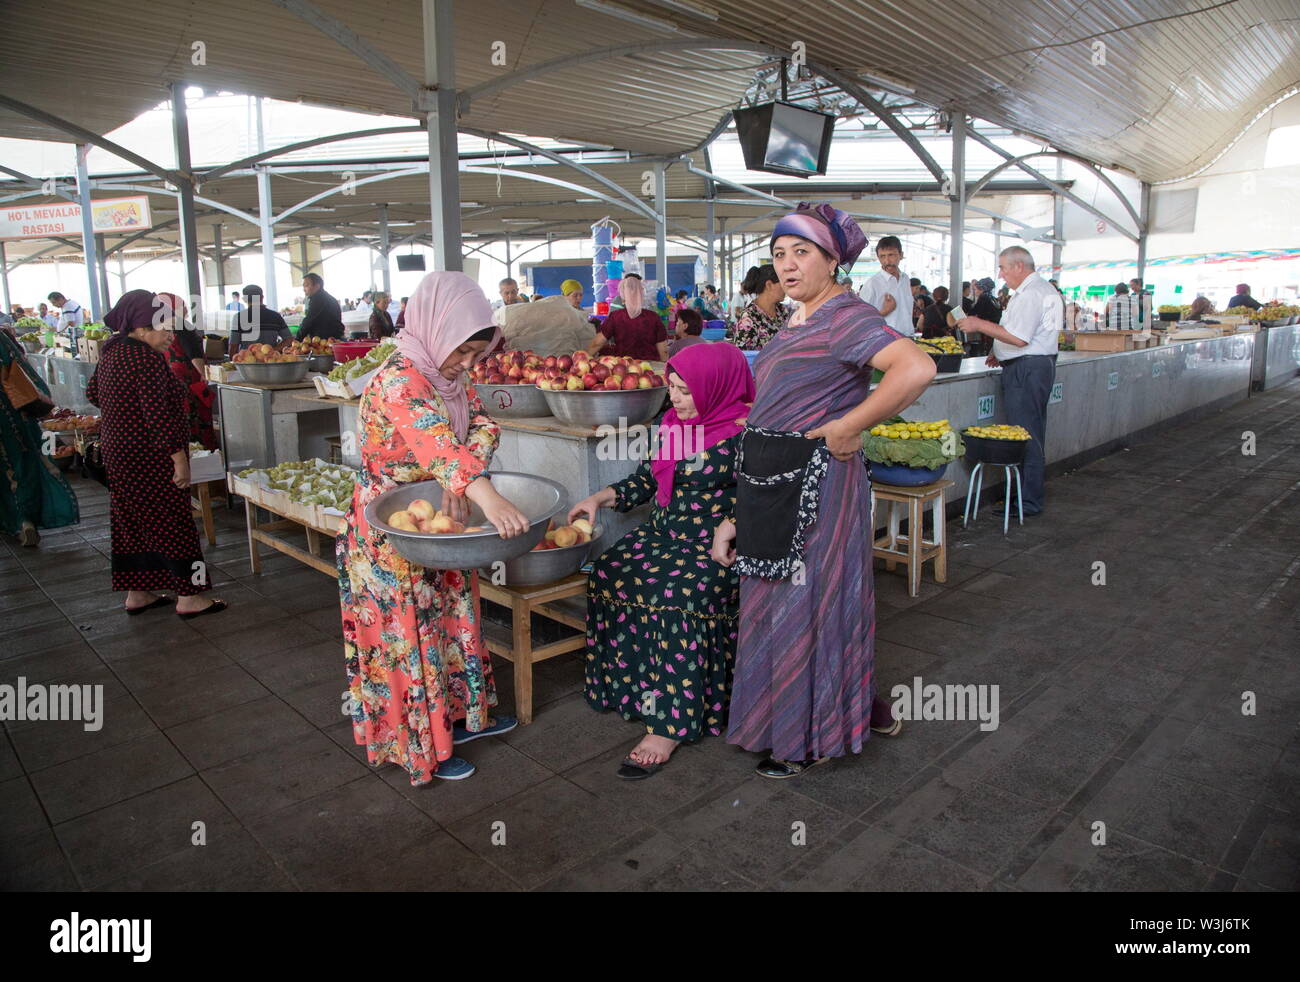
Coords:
71,314
1025,345
509,290
889,291
50,318
364,306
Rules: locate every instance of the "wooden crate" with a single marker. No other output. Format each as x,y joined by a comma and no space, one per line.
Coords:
1103,341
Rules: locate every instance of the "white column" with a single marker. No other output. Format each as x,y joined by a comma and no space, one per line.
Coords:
957,224
88,233
444,152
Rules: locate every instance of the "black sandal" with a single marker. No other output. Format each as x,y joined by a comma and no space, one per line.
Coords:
157,602
630,770
216,607
779,770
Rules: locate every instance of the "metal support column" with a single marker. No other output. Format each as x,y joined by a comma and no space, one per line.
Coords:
189,235
510,272
221,266
88,232
661,228
957,225
549,237
444,151
265,220
4,278
101,253
1144,213
997,241
710,234
121,273
385,280
721,281
1058,230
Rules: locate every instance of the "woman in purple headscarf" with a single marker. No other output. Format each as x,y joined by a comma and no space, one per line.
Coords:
661,615
144,438
804,686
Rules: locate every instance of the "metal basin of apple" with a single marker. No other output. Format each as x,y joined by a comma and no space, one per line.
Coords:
547,565
600,408
538,498
273,373
512,401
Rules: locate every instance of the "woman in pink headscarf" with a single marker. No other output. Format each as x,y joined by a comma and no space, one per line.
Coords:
633,332
419,675
661,614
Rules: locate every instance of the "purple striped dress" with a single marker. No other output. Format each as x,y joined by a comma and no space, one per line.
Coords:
803,680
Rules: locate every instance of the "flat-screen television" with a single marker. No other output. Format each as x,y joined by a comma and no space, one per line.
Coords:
784,138
410,264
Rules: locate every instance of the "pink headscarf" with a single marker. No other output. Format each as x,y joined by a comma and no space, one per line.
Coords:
632,290
445,309
722,386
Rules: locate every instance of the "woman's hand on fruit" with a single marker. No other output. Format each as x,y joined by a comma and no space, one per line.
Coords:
590,505
724,543
456,506
842,440
508,520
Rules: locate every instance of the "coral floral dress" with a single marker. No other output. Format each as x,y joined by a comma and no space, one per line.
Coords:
416,661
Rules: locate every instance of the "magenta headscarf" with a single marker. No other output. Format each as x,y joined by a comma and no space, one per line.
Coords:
832,229
133,309
722,386
632,290
445,310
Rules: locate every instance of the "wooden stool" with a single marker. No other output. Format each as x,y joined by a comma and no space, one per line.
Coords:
912,549
524,601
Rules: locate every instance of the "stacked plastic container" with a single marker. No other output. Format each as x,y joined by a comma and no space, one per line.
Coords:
602,254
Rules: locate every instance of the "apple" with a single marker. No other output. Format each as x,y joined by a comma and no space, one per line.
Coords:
647,367
600,371
496,378
551,361
421,509
589,381
631,382
644,382
612,384
566,536
573,384
616,377
564,363
516,371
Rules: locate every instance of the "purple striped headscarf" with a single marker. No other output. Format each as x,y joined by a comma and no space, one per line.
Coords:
828,227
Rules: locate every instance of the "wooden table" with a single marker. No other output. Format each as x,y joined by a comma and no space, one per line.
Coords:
523,603
201,503
914,550
261,532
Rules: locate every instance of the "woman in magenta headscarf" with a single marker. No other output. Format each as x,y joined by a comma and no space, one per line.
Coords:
419,674
661,615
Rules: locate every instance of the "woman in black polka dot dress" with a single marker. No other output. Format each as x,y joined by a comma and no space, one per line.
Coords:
145,442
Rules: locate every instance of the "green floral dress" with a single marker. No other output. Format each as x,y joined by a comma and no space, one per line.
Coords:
661,614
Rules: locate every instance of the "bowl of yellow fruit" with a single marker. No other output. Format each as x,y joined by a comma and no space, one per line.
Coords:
996,444
910,453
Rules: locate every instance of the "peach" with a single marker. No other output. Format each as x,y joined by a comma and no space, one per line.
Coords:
403,520
420,508
583,525
441,523
573,384
567,536
550,536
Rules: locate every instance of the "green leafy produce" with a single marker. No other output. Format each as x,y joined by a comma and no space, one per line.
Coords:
32,336
309,482
97,332
361,366
35,322
925,452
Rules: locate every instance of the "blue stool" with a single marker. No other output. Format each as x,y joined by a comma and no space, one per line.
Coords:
976,485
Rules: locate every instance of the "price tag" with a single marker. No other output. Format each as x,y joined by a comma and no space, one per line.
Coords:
61,379
1057,395
1112,381
1157,369
985,409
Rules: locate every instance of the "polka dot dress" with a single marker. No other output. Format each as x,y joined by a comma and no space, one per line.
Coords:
155,545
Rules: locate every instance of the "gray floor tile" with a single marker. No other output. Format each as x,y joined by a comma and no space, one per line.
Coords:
1125,864
109,776
230,861
195,696
261,724
982,828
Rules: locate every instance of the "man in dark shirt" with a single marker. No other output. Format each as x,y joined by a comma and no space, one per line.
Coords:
256,324
324,317
1243,298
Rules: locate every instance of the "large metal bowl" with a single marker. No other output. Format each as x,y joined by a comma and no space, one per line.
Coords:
548,565
320,363
538,498
276,373
602,408
512,401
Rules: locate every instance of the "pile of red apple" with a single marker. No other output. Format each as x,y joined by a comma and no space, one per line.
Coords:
578,372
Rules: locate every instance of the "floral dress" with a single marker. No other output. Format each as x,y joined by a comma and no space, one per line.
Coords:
661,614
753,328
412,639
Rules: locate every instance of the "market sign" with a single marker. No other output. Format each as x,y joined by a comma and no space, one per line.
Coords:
984,409
64,218
1058,393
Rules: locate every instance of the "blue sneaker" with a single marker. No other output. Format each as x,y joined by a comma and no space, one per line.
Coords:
454,769
503,724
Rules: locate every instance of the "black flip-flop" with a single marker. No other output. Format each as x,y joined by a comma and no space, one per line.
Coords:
216,607
630,770
157,602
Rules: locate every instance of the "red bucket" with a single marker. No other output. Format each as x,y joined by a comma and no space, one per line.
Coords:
348,350
602,307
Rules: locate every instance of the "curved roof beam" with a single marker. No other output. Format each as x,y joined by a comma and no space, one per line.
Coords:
835,77
1100,174
212,175
36,183
975,188
82,135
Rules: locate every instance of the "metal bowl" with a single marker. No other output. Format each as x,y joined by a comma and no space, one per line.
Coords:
320,363
513,401
548,565
602,408
276,373
537,497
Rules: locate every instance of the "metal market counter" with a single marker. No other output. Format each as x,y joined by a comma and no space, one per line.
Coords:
265,425
1099,398
1277,356
67,378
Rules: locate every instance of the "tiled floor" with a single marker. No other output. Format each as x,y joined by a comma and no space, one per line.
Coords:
1121,713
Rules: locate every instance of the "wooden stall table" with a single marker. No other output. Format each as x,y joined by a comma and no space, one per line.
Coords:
289,515
912,549
523,602
201,503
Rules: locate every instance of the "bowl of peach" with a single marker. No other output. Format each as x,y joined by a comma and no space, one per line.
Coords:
423,535
561,553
